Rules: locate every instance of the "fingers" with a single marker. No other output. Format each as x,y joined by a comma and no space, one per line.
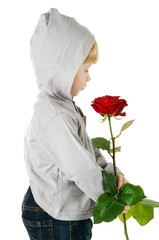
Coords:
121,180
126,209
125,181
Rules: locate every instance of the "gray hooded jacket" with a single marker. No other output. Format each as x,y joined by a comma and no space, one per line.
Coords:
63,167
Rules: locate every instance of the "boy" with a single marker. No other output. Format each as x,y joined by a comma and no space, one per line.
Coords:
63,167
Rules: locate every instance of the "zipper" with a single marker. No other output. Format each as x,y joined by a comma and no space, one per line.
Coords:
80,113
76,108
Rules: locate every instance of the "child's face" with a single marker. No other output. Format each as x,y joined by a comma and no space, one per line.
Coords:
82,76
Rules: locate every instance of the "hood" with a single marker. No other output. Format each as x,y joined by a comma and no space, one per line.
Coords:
58,46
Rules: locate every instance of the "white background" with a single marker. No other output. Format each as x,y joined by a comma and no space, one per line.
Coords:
127,33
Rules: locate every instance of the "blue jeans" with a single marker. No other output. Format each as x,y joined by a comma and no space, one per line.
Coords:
41,226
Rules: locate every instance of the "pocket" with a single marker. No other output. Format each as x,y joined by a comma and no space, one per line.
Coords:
74,224
40,230
81,228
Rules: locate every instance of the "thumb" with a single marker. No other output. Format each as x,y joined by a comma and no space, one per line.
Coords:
120,182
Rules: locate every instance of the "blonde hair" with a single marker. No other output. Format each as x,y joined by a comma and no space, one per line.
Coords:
93,55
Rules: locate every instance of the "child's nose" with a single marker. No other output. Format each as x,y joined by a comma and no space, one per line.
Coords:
88,79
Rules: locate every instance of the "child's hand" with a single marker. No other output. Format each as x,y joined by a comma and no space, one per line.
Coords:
122,180
126,209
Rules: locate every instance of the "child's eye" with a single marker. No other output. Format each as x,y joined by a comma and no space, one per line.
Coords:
86,70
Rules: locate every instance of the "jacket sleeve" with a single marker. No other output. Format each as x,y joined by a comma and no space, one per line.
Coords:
60,140
102,162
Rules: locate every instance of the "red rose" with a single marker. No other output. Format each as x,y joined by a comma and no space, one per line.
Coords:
109,105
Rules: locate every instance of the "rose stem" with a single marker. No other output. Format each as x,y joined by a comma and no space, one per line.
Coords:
114,164
125,227
115,173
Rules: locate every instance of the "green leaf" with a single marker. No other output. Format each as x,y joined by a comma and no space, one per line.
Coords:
130,194
126,125
110,182
128,214
117,149
101,142
143,214
107,208
149,203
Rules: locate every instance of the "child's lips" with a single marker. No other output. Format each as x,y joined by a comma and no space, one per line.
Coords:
84,87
